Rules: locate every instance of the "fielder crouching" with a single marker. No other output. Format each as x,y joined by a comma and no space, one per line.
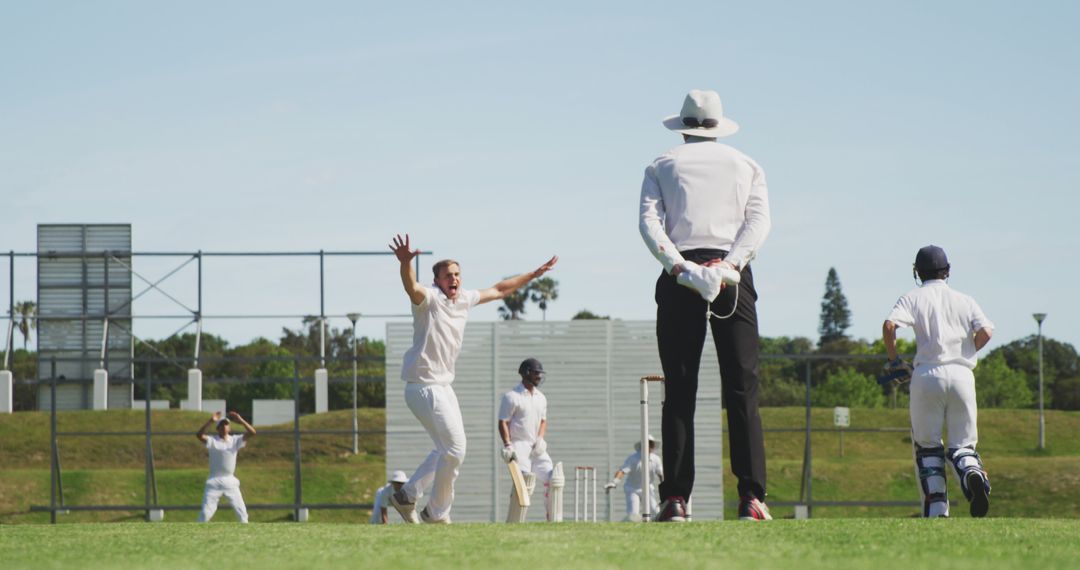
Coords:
950,328
522,427
222,480
630,472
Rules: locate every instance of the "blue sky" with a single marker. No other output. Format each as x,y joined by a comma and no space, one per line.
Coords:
500,135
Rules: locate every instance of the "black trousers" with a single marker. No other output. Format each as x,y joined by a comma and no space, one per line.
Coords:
680,332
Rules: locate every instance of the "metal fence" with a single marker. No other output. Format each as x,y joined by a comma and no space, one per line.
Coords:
58,504
108,319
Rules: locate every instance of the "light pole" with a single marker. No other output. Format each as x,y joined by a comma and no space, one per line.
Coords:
353,317
1039,318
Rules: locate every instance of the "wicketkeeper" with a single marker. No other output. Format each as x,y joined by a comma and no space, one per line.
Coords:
381,504
950,328
223,448
522,427
631,473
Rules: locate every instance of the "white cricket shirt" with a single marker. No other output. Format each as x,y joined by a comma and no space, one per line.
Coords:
438,330
632,468
223,454
945,322
523,411
382,501
703,194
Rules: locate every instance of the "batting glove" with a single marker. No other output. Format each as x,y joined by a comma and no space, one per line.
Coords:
610,485
897,371
539,448
508,454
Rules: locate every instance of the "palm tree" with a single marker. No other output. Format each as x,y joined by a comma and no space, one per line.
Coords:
27,311
543,291
514,305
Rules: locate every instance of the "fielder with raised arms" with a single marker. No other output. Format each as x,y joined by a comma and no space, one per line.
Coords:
222,480
630,472
950,328
522,427
439,316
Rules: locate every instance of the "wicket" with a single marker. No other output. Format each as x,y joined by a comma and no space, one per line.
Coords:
645,503
582,475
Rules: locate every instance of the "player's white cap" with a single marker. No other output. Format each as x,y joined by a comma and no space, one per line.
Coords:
652,440
399,477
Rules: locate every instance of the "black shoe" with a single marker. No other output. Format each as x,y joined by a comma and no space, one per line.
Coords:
979,487
672,510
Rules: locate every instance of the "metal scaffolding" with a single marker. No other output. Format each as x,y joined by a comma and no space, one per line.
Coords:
119,315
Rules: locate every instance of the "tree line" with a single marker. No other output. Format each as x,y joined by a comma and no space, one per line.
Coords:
842,371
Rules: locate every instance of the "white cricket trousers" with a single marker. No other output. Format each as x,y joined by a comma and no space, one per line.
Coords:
539,465
436,406
943,395
215,488
633,502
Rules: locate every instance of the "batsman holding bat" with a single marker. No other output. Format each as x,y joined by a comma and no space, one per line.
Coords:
950,328
522,426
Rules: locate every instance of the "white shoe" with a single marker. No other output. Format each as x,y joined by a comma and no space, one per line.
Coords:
424,516
406,509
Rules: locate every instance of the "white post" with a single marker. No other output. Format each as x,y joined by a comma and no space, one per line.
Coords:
576,498
101,389
321,399
644,446
194,389
593,494
6,393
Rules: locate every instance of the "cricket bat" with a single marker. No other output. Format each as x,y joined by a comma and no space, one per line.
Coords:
519,484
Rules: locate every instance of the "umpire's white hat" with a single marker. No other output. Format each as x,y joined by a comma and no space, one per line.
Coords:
399,477
702,115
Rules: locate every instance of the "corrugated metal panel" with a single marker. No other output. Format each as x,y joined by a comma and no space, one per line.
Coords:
76,288
77,396
68,397
593,368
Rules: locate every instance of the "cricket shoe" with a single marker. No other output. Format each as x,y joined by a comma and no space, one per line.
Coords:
672,510
751,509
426,517
979,487
406,509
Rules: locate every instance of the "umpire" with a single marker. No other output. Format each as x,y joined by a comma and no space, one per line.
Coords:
706,203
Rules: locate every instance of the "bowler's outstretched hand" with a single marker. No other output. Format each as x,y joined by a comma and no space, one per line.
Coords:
401,249
546,267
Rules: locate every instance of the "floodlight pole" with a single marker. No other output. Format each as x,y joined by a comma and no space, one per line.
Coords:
353,317
1039,318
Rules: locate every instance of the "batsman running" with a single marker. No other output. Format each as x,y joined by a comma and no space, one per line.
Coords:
631,473
522,427
440,313
950,329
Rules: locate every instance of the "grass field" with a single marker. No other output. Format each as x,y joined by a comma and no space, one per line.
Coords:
881,544
875,466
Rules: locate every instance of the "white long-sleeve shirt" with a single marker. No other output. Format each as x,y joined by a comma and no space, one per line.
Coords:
703,194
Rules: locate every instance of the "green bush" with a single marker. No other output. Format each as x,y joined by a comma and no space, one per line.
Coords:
998,386
847,387
1066,394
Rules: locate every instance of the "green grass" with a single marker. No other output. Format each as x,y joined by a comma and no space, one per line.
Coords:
875,466
881,544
